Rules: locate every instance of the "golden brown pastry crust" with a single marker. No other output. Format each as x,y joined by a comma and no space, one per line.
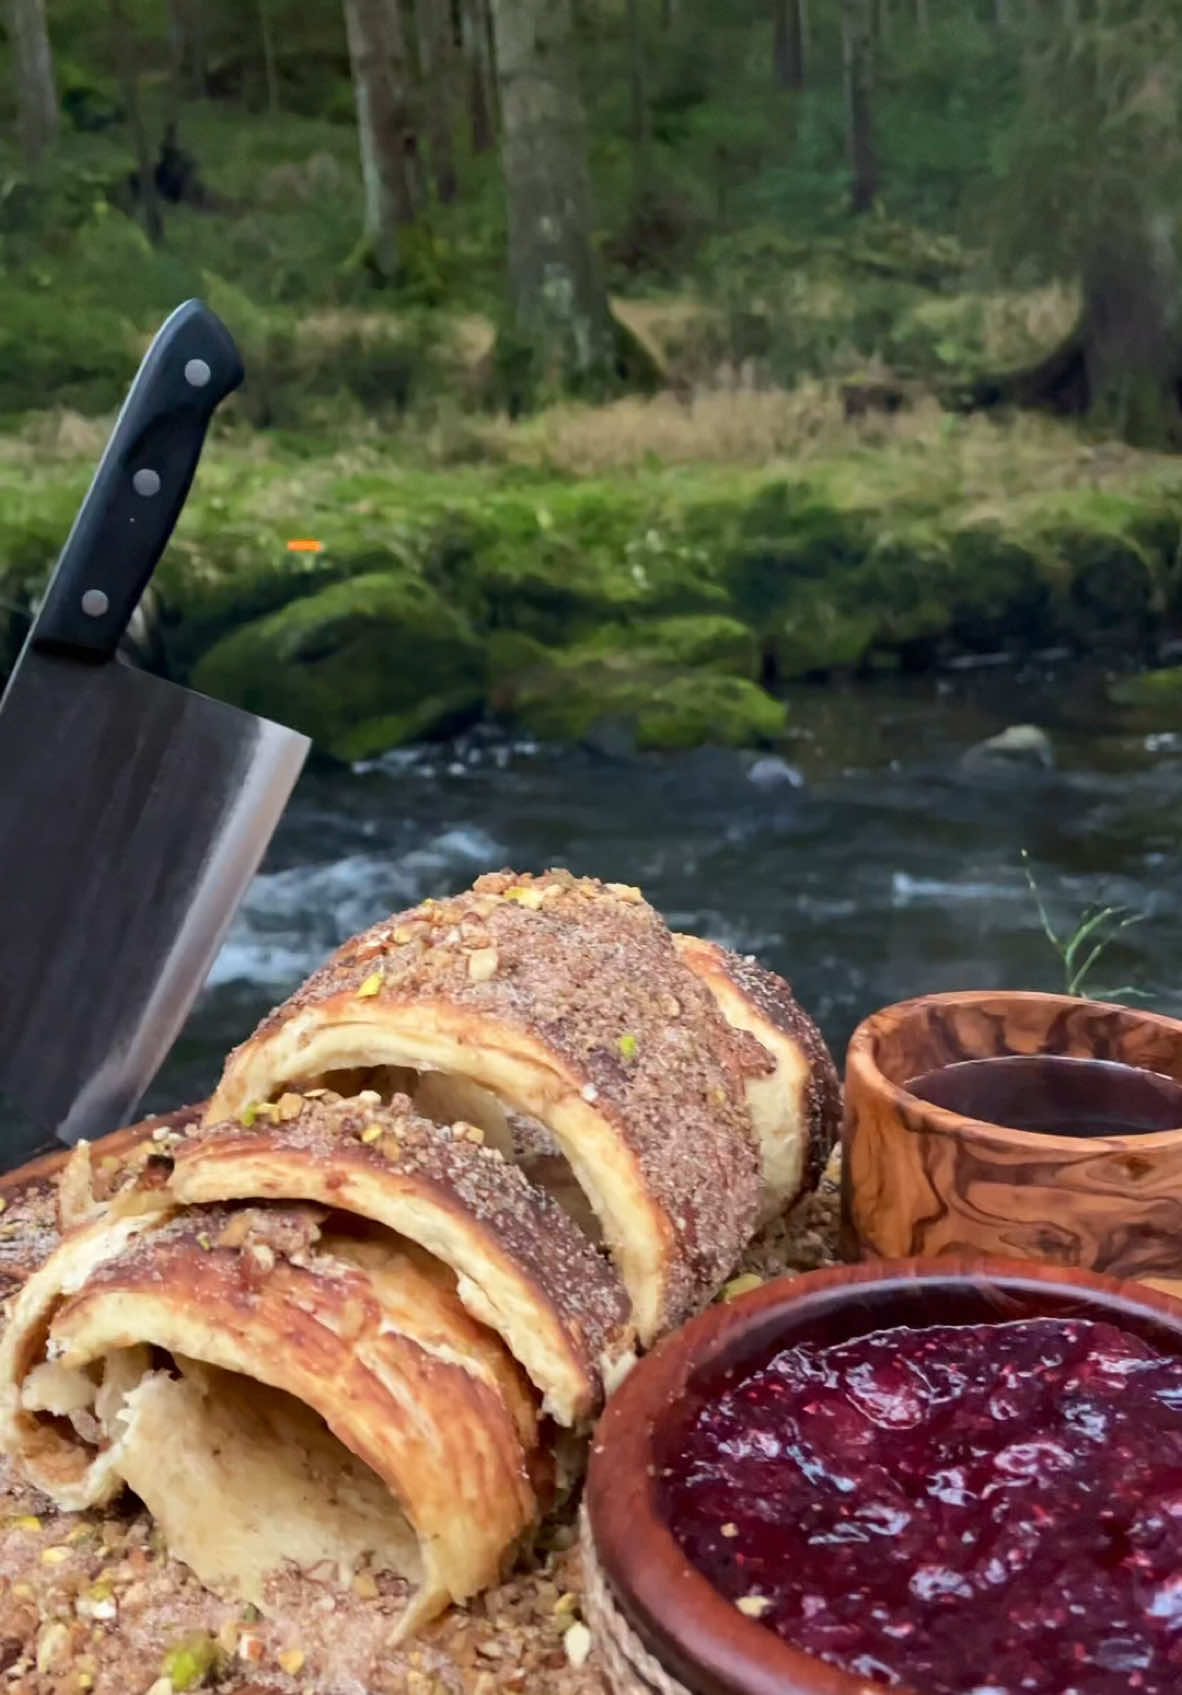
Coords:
400,1375
796,1108
72,1475
523,1268
565,999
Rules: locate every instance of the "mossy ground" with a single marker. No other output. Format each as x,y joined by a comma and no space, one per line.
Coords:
528,577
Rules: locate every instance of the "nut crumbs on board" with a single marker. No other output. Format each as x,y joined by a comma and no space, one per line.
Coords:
505,1641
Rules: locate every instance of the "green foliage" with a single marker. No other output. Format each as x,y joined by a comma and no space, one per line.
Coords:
1093,156
1099,927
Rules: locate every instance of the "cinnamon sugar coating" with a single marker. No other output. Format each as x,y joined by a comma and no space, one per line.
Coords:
589,973
465,1200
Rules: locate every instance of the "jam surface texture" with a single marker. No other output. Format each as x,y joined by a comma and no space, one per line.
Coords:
976,1510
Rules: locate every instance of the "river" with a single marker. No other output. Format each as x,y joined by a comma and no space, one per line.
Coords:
872,863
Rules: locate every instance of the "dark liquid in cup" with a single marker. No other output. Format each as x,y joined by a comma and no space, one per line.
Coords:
1055,1095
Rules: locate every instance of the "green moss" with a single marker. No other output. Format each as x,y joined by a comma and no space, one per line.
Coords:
657,709
705,641
434,716
378,647
1153,689
819,636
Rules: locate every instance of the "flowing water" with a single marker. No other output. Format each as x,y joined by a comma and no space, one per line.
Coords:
871,863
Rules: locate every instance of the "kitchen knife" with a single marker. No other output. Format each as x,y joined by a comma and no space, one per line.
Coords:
133,812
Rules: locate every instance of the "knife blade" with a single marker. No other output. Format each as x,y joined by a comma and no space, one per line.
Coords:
133,812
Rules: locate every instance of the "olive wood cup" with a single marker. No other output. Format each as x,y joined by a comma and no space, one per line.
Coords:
660,1625
920,1179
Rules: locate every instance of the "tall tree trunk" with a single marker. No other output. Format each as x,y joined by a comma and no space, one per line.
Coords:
384,131
1001,15
437,67
857,25
788,42
638,100
270,68
481,87
669,11
200,54
129,83
921,16
1121,365
559,300
38,117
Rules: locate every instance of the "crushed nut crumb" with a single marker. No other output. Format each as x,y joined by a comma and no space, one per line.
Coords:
753,1605
482,964
577,1644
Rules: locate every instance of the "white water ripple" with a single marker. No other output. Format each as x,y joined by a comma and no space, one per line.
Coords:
290,920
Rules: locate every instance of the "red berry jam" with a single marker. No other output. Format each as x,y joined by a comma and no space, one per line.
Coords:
980,1510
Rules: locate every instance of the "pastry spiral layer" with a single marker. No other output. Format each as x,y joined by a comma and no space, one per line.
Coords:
320,1399
564,1000
522,1267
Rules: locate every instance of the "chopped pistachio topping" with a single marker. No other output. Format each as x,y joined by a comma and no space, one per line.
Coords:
365,1587
289,1106
372,986
740,1286
730,1531
291,1660
525,895
54,1556
189,1664
205,1240
371,1133
249,1114
627,1045
26,1521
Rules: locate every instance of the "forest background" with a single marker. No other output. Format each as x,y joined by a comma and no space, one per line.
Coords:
611,363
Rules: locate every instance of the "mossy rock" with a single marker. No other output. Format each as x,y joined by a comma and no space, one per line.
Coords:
357,666
789,536
1003,596
1156,691
703,641
660,710
435,716
817,636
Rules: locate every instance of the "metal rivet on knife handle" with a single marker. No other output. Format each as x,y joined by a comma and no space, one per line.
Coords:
94,603
146,482
197,373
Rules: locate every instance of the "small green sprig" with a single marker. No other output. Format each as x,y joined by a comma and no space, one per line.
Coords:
1099,925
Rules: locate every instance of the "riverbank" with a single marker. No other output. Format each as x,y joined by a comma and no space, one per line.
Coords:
658,569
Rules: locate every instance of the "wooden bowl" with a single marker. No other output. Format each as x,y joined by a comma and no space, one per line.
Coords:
659,1624
922,1180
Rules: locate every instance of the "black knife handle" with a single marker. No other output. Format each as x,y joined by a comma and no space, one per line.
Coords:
145,473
